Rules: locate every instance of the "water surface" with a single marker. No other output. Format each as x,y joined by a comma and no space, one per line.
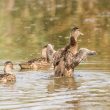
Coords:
38,90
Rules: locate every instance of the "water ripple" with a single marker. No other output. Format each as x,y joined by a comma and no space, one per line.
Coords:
39,91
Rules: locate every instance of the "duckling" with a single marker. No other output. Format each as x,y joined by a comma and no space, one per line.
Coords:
8,76
65,69
43,62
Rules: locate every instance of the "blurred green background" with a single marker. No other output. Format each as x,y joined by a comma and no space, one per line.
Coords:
27,25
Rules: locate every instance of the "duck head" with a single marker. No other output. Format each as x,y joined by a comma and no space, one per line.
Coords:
75,32
8,67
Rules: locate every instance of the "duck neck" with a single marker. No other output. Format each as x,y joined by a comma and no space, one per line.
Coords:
73,40
72,46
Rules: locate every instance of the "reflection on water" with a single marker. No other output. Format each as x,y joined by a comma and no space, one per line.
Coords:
37,90
27,25
59,83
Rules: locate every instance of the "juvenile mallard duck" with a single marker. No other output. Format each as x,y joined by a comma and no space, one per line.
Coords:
43,62
8,76
65,59
66,67
70,48
65,55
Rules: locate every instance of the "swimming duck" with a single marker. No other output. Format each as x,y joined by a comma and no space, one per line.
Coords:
44,61
8,76
70,48
65,55
63,58
66,67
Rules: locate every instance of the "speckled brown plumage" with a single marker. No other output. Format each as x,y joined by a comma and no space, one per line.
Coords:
7,76
63,58
42,62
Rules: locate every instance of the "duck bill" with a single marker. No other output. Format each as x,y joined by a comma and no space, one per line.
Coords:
81,34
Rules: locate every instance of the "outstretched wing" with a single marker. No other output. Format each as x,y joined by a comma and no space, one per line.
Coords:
57,56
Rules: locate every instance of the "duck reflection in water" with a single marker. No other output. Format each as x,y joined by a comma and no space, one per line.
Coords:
62,82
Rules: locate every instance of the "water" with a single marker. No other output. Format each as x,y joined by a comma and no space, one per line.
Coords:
38,90
27,25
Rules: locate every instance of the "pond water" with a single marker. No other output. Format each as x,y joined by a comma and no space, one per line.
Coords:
27,25
38,90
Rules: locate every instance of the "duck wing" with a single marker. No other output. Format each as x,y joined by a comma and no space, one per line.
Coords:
57,56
